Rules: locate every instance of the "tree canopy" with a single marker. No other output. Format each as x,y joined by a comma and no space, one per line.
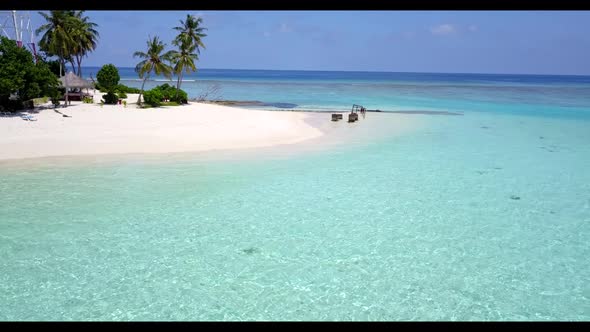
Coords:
152,61
69,35
108,77
21,79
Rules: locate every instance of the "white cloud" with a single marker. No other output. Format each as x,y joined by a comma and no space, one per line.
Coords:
443,29
472,28
285,28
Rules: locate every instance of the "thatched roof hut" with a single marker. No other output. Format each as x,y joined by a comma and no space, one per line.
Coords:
74,81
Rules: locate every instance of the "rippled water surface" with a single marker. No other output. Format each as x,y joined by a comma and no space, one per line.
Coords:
482,216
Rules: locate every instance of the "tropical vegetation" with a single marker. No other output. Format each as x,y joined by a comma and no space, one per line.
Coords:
183,59
165,94
179,61
108,77
188,41
169,92
119,88
68,35
153,98
21,79
152,61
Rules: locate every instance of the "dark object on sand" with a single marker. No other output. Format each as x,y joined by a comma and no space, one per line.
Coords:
336,117
63,115
354,112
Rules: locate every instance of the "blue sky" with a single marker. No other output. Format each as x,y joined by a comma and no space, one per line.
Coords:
527,42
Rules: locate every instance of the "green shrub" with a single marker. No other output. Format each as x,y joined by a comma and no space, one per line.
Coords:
180,97
54,67
122,95
126,89
118,88
166,90
108,77
40,101
28,104
17,104
132,90
55,99
56,95
110,98
21,79
87,100
170,93
153,97
10,104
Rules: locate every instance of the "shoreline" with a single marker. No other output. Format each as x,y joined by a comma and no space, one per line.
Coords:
203,130
247,103
334,138
112,129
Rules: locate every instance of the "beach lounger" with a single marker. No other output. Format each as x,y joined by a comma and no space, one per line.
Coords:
28,117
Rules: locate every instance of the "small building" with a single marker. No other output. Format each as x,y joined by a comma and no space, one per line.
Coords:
75,84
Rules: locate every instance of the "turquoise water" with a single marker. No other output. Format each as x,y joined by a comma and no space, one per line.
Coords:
313,90
484,216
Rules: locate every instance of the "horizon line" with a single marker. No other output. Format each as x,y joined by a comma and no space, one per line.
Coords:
376,71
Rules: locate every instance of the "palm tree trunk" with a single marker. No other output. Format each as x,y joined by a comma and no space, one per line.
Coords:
66,82
178,83
141,91
73,66
79,61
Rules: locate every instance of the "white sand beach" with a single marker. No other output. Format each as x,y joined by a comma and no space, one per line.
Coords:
115,129
92,130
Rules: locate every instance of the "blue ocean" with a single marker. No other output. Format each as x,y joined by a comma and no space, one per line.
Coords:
479,211
327,90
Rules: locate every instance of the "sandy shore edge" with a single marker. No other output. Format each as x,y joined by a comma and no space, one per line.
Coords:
92,129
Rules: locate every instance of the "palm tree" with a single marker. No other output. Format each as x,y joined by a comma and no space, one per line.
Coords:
192,29
69,35
183,59
56,37
85,38
153,60
188,41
